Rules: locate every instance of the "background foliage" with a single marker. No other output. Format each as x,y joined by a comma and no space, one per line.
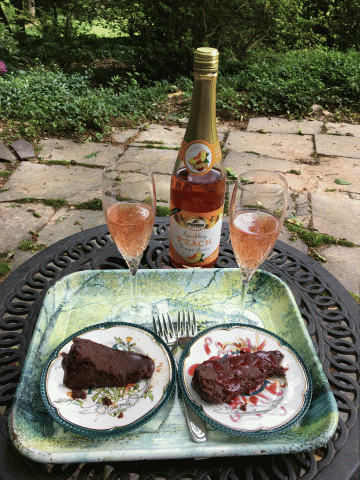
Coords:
276,57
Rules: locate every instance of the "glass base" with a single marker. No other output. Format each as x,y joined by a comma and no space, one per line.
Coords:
140,314
248,318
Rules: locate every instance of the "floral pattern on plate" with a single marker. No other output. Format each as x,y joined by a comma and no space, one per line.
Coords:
110,411
273,406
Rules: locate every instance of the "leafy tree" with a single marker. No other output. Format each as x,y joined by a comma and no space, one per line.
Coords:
164,34
61,24
344,23
336,20
9,46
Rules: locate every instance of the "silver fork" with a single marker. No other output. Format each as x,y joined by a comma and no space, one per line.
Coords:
186,329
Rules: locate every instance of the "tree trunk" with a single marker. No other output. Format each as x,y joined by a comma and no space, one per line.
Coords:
20,22
3,18
30,4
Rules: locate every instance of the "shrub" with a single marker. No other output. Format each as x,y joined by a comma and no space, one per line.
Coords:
54,102
9,47
294,81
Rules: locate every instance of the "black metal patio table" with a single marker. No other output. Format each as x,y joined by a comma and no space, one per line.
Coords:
330,313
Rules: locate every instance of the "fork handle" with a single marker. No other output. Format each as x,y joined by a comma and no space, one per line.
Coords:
196,424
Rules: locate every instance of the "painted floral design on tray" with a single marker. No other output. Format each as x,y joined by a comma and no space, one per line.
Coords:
268,397
111,401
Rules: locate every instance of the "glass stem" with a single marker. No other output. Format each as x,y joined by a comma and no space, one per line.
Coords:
133,264
134,288
244,290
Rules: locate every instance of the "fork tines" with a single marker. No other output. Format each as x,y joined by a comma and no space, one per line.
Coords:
164,328
186,326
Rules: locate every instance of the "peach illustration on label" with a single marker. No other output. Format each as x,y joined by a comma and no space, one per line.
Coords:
200,162
197,257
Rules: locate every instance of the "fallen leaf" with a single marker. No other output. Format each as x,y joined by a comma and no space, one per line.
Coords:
340,181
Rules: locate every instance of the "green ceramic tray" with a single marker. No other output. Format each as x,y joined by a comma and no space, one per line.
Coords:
91,297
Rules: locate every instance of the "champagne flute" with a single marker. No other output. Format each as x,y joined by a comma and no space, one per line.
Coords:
129,204
257,212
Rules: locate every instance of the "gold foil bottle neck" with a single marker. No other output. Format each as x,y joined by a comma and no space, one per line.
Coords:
206,60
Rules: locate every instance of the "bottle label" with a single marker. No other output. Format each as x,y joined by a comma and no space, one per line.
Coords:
195,238
199,156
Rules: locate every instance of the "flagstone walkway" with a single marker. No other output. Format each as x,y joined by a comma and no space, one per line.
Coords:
320,161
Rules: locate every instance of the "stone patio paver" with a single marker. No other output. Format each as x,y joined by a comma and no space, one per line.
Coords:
170,136
162,184
68,222
337,145
341,219
241,162
315,199
159,160
343,129
282,125
74,184
342,263
82,153
122,136
6,155
17,220
23,149
162,135
302,205
277,145
19,258
329,169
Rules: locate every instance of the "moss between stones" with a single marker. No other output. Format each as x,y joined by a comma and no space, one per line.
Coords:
5,261
356,297
55,203
5,174
49,202
30,246
162,211
94,204
313,239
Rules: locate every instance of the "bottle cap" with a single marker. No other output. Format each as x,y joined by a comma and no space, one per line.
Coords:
206,60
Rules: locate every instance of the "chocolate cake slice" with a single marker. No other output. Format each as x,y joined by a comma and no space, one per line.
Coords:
219,380
90,364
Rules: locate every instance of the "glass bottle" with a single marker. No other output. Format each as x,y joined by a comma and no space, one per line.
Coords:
197,193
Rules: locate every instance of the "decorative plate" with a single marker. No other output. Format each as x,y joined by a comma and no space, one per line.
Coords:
273,407
110,411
